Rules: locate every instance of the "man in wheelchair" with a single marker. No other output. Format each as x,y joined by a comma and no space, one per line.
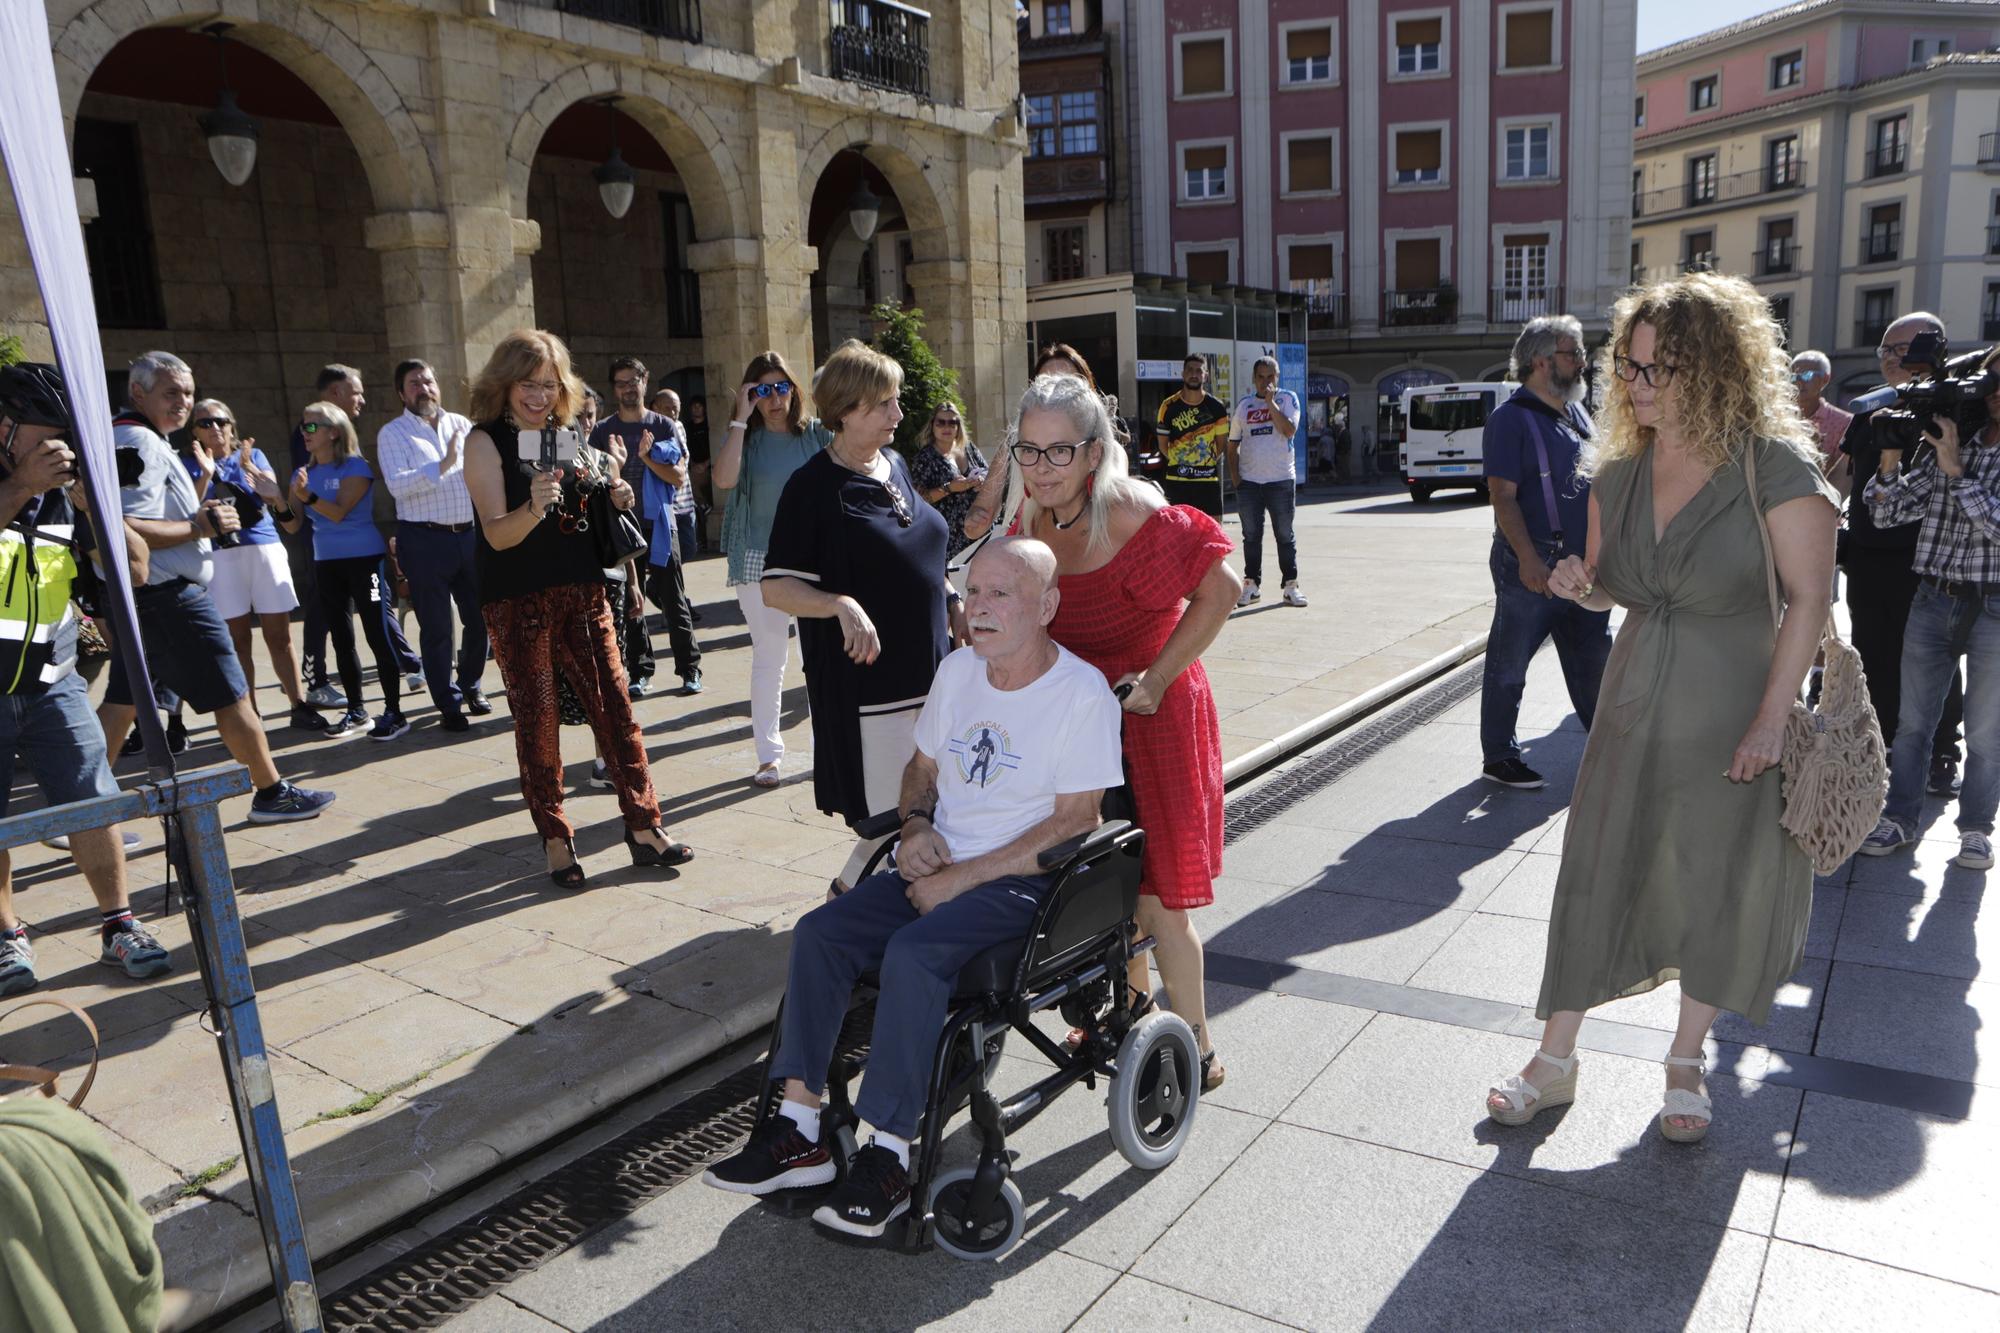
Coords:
1016,746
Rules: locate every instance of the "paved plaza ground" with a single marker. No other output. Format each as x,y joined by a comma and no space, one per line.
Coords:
436,1008
1374,954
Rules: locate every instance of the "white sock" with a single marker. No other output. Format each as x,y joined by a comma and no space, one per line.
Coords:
805,1117
900,1147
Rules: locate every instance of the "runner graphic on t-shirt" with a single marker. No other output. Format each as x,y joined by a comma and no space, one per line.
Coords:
982,758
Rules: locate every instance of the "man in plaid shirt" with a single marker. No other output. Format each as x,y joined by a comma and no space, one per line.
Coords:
1954,488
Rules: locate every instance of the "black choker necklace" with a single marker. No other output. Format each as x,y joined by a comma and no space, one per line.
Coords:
1065,527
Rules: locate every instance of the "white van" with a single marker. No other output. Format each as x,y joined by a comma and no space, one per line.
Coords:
1444,433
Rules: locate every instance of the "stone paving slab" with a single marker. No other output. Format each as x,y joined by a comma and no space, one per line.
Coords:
410,934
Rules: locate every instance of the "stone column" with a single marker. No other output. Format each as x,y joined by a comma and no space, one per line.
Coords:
975,305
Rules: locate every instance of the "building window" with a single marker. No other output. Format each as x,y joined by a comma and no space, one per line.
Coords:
1308,164
124,274
1888,145
1638,181
1042,125
1878,308
1639,113
1309,272
1078,112
1698,252
1528,39
1525,152
683,283
1781,315
1205,172
1063,252
1778,252
1208,267
1419,45
1056,18
1701,93
1419,157
1924,49
1524,280
1701,181
1989,312
1781,163
1419,264
1992,229
1638,270
1418,296
1788,70
1204,67
1309,54
1882,242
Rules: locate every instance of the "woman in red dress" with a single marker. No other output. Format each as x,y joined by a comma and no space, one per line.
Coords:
1144,592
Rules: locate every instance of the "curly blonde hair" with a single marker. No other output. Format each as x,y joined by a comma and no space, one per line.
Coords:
1732,381
520,354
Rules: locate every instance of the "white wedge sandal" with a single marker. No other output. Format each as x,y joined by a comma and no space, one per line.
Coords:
1525,1101
1681,1102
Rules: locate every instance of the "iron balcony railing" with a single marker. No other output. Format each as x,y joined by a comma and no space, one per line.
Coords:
1326,304
1993,238
1720,189
882,45
1886,160
1777,257
1989,149
1701,261
680,19
1883,245
1868,332
1420,305
1517,304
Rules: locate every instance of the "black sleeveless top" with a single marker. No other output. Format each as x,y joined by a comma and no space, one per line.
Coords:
548,557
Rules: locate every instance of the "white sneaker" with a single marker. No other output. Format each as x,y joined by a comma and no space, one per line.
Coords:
1293,597
414,682
1975,852
1250,593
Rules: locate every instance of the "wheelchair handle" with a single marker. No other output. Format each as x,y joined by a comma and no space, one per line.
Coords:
1122,691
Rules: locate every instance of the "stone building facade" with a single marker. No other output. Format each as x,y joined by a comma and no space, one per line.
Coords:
424,186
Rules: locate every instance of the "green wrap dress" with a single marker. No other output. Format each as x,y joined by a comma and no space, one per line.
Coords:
1669,869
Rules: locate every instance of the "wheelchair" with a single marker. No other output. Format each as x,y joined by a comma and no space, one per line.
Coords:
1072,960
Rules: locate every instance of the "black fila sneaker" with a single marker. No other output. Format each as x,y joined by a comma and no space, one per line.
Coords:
777,1157
875,1193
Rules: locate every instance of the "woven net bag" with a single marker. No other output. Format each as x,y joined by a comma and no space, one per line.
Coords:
1836,769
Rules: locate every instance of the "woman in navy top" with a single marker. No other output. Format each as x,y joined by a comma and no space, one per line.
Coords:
331,492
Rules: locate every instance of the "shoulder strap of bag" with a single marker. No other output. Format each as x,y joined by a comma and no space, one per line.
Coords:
43,1079
1763,528
1536,428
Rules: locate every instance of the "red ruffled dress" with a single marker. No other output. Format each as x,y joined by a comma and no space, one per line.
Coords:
1117,618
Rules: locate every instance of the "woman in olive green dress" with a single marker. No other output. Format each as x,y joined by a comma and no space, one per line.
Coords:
1674,863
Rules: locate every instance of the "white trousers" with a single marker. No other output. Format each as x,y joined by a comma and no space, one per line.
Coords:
887,742
770,648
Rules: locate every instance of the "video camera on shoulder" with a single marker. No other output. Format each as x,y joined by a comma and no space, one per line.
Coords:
1953,390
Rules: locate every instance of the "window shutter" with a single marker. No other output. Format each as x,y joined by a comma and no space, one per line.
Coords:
1418,263
1530,39
1523,240
1212,158
1208,266
1309,44
1201,68
1311,261
1310,164
1420,32
1420,150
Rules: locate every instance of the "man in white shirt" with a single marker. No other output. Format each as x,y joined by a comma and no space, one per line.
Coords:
422,455
1016,746
1261,468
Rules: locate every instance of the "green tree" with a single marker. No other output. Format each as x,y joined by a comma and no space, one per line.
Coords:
927,381
11,350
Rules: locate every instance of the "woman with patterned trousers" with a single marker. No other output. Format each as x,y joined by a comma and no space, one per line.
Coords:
541,589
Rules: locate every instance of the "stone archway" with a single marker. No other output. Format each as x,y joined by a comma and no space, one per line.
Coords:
906,162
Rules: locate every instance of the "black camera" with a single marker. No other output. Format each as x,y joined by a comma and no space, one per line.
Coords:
1954,390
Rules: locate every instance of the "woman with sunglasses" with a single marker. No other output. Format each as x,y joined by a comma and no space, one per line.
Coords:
253,578
947,468
1674,863
768,439
1145,590
860,561
331,493
541,590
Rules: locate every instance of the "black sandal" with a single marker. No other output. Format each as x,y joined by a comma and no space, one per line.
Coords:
676,853
1142,1007
570,876
1210,1081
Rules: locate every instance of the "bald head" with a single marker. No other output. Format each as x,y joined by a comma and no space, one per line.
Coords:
1031,559
1010,598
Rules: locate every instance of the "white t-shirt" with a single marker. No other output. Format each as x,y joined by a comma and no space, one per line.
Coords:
1262,454
1003,756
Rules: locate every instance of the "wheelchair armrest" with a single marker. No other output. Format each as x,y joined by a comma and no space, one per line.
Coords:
1097,840
878,826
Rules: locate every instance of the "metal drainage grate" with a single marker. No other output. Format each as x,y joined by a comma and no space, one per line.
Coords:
448,1275
1288,786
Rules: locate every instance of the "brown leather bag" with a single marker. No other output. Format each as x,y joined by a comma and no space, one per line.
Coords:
44,1080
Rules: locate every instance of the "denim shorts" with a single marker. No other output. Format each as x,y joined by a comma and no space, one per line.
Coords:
188,649
55,731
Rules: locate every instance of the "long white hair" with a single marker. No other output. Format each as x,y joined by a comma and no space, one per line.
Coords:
1089,417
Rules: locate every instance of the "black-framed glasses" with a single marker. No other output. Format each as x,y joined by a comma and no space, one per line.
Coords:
781,388
947,421
1888,350
1059,455
1657,374
212,423
1573,353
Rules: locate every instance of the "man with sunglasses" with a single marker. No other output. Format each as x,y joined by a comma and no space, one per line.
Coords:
1541,513
1881,578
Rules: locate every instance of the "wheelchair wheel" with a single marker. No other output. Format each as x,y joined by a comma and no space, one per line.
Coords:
1154,1093
989,1239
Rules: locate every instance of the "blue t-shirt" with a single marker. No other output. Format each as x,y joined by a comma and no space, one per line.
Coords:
354,535
1511,456
264,532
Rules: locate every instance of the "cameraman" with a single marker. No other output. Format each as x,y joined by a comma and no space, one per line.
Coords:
1875,554
1954,488
187,648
